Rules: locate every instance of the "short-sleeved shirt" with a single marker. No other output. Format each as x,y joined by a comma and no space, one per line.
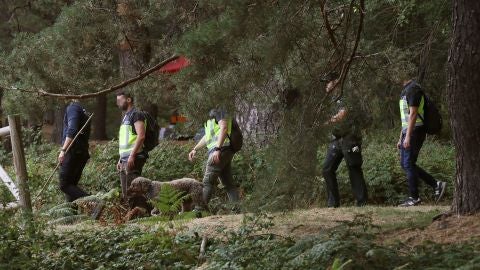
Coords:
351,126
130,118
218,114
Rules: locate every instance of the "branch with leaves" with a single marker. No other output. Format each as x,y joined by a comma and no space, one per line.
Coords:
123,84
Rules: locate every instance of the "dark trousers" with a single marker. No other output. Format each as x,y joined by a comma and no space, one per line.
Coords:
70,174
337,150
127,175
408,160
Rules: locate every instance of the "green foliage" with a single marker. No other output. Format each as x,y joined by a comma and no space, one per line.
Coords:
352,245
169,201
114,248
169,160
338,265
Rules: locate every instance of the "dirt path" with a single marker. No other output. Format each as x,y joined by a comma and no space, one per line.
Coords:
300,223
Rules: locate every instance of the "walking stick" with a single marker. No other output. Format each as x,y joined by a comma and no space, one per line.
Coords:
58,163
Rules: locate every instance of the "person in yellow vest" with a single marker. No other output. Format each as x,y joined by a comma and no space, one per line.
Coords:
131,137
219,163
412,136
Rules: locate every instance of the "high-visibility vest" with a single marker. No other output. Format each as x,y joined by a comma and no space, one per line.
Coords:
405,112
212,131
126,138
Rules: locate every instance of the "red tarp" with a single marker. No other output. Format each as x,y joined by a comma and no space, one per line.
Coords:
175,65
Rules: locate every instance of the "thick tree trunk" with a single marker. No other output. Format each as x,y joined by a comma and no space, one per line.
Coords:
464,103
100,118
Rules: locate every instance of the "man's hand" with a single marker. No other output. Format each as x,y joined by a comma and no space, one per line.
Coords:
61,157
119,166
131,162
406,142
399,143
191,155
216,156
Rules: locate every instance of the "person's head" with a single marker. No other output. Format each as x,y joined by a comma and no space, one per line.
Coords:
332,81
406,81
124,101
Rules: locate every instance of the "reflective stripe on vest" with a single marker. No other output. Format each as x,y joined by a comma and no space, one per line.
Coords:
405,112
212,130
126,139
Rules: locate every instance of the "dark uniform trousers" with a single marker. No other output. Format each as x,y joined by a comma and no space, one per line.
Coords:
351,150
71,172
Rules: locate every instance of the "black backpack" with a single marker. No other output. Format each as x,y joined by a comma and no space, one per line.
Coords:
151,132
236,137
432,118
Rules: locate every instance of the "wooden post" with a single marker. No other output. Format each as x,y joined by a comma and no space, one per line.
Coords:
19,162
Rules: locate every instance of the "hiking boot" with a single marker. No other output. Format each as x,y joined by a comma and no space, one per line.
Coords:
410,202
439,190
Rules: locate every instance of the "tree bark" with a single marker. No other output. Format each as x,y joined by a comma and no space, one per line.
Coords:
58,125
464,103
99,121
135,49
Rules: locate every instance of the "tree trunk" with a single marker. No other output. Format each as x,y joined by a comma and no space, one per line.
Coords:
100,118
58,125
135,49
464,103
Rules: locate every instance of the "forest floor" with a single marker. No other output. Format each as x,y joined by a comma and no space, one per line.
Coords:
413,225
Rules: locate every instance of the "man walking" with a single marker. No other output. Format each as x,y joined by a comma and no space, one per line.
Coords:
131,138
73,162
346,143
218,130
412,136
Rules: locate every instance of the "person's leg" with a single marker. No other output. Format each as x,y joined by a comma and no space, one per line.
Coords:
330,166
226,175
130,175
123,180
70,173
409,159
212,172
418,137
354,160
136,171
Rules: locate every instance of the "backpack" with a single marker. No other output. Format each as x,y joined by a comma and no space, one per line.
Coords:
236,137
432,118
151,132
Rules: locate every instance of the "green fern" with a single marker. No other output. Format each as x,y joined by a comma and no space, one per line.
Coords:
69,220
169,201
61,210
110,196
92,198
60,206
